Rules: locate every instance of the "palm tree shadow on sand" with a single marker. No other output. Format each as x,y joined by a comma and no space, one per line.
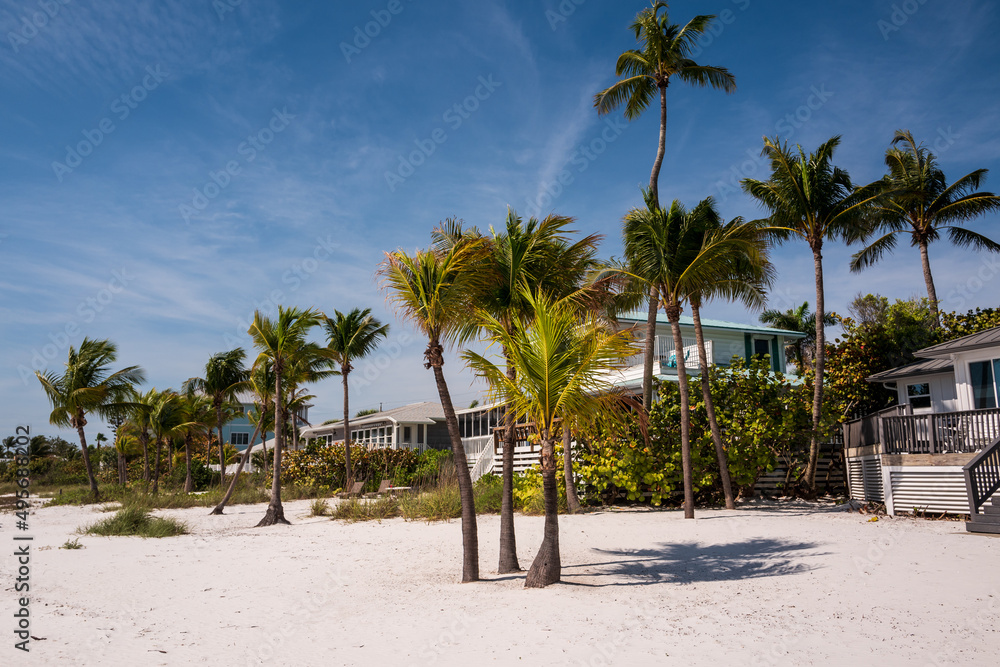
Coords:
692,562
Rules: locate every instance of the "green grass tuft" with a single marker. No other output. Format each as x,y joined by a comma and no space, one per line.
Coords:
135,520
319,507
72,544
353,510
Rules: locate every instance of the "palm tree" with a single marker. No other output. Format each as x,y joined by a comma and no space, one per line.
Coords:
261,385
225,377
432,290
351,337
645,74
196,415
562,366
88,386
803,321
811,199
165,420
668,249
280,341
536,256
138,423
744,275
918,201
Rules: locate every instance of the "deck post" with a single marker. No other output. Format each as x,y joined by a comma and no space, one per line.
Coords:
932,433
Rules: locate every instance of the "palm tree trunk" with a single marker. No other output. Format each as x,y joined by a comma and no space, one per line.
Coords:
654,177
546,568
929,280
122,469
674,315
156,467
470,534
508,541
222,462
706,390
654,297
347,436
275,511
648,347
572,500
188,482
79,419
144,439
819,365
232,485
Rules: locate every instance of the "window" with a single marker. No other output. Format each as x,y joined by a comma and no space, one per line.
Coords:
407,434
237,438
982,376
919,395
761,346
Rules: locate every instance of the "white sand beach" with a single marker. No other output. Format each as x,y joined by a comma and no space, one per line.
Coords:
779,584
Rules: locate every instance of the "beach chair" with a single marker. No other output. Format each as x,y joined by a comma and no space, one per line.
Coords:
382,488
354,492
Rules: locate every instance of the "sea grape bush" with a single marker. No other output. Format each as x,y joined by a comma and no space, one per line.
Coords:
317,466
764,417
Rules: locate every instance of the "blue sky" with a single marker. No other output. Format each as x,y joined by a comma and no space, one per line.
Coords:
166,167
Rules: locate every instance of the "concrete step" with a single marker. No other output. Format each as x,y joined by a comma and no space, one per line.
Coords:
987,518
981,527
991,508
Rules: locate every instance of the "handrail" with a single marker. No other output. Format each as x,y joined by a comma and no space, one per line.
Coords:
937,432
982,476
483,464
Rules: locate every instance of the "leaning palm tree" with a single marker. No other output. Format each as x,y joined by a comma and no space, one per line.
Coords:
280,341
262,386
432,290
351,337
811,199
918,201
743,274
563,369
88,386
645,73
225,377
667,248
802,320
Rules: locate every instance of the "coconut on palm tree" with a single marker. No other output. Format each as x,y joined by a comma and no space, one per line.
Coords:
432,290
562,365
919,202
280,342
809,198
88,386
351,337
802,350
645,73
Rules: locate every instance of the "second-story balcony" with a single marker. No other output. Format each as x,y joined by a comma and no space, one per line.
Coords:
665,358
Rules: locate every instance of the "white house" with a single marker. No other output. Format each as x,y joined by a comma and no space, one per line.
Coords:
939,449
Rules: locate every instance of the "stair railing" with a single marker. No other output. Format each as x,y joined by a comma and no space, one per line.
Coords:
982,476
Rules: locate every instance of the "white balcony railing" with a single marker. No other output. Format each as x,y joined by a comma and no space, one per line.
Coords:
663,353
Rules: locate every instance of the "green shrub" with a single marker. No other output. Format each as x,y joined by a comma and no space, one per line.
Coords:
488,492
202,477
72,544
133,520
319,507
318,466
439,504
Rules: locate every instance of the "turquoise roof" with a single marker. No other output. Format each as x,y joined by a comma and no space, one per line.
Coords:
661,318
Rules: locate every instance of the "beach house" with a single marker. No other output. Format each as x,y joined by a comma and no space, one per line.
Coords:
938,450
